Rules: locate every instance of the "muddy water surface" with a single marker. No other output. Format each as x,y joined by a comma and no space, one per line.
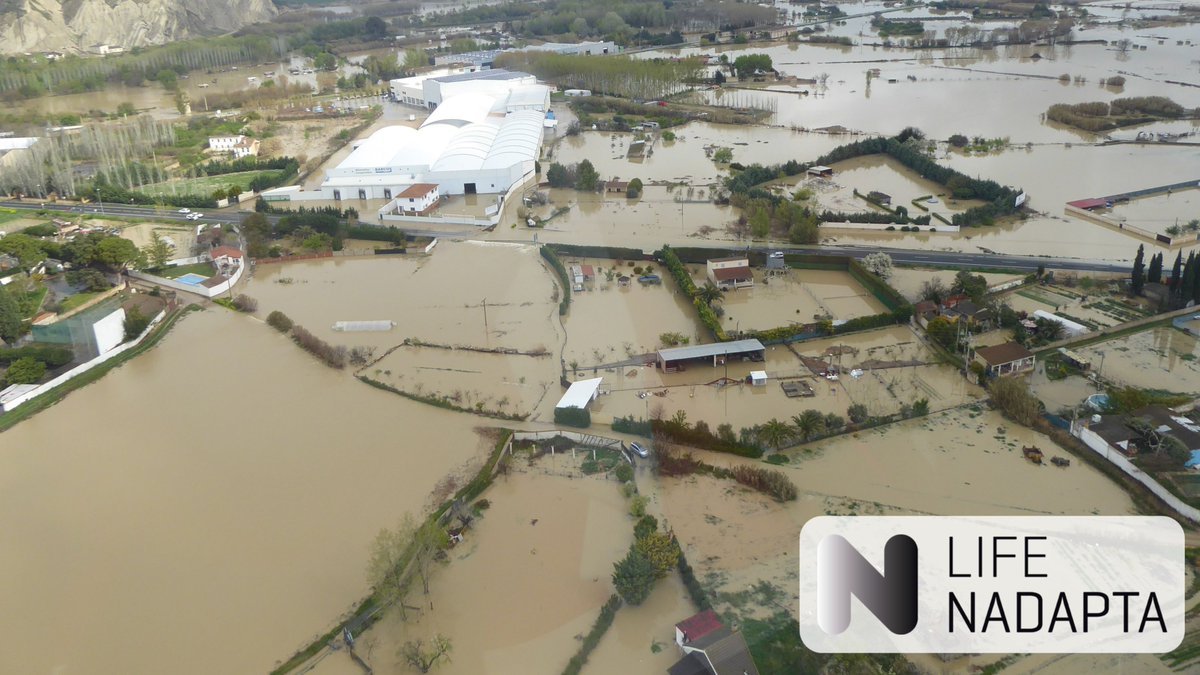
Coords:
1161,358
207,507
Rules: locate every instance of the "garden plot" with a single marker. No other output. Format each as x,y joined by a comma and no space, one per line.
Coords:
796,296
531,575
608,323
478,294
505,383
1161,358
965,462
1093,311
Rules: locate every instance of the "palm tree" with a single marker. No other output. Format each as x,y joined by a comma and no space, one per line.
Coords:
774,433
710,293
808,424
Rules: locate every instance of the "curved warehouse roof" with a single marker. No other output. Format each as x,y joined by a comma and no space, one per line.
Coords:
462,110
378,148
468,149
516,141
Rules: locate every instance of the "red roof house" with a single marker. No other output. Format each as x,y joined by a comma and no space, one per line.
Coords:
696,627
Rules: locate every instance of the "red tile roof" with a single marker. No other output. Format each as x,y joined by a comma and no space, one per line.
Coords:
588,271
417,190
727,273
225,251
698,626
1087,203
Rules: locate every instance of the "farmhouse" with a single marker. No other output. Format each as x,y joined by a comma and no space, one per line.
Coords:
711,648
730,273
1005,359
418,199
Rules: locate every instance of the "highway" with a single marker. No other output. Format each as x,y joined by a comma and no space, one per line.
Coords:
899,255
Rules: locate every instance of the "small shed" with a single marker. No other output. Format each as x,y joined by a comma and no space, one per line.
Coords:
1005,359
881,197
580,394
758,378
820,171
618,186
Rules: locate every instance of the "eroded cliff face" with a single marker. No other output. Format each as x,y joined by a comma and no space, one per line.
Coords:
77,26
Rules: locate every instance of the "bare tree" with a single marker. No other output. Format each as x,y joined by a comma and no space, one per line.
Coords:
416,655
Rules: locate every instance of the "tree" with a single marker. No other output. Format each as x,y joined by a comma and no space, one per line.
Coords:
879,264
646,525
10,316
973,286
633,577
559,176
774,433
718,78
1011,396
723,155
934,290
750,64
1177,270
940,330
834,422
25,370
417,656
760,224
920,407
386,566
661,550
375,27
959,141
858,413
116,252
158,251
414,59
710,293
1048,330
1138,275
808,424
1154,273
135,323
325,61
26,249
634,189
169,79
125,109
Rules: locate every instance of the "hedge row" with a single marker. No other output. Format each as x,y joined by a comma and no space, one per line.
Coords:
701,438
552,258
882,290
607,613
692,584
376,233
610,252
440,402
684,280
632,425
573,417
51,355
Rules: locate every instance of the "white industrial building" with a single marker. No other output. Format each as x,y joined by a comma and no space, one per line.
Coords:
473,143
584,48
431,89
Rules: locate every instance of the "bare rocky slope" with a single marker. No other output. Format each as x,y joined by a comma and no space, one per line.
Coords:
77,26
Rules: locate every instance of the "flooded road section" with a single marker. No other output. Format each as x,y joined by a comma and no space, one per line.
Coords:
207,507
528,580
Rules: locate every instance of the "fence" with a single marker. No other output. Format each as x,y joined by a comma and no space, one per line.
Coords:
1101,447
887,227
203,291
1121,328
90,303
82,368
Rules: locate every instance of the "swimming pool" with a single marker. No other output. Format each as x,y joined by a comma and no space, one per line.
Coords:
192,278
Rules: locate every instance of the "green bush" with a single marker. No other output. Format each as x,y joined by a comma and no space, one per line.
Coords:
624,472
52,355
702,438
607,613
573,417
26,370
552,257
630,425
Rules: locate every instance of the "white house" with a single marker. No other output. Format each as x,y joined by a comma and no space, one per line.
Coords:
730,273
247,147
226,256
224,143
418,199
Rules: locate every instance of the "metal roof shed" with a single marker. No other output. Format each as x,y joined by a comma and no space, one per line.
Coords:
669,359
580,393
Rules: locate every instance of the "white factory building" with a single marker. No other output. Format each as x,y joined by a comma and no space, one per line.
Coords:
431,89
473,143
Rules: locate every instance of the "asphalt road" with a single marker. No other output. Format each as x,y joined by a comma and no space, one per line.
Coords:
899,255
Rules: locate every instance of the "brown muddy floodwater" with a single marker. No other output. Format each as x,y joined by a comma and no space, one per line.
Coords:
794,296
207,507
527,581
1160,358
471,293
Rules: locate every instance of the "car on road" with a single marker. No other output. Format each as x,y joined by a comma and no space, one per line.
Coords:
639,449
185,210
777,254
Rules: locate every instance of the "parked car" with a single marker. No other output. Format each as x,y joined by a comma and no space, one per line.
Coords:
185,210
777,254
641,451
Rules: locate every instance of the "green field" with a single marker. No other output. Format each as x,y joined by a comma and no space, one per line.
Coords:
202,268
73,301
206,185
12,214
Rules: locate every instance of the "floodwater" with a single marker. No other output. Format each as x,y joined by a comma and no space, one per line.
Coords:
529,579
1159,212
795,296
1161,358
960,463
897,369
908,280
878,173
216,515
663,214
464,293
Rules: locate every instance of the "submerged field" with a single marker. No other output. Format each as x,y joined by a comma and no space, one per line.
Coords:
1159,358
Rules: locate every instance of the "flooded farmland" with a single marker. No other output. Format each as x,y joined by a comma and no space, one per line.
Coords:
223,523
1160,358
795,296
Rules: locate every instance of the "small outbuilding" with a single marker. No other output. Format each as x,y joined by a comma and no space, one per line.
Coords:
618,186
820,171
730,273
880,197
671,360
1005,359
580,394
758,378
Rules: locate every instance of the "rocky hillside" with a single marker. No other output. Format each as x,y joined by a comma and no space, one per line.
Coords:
78,26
